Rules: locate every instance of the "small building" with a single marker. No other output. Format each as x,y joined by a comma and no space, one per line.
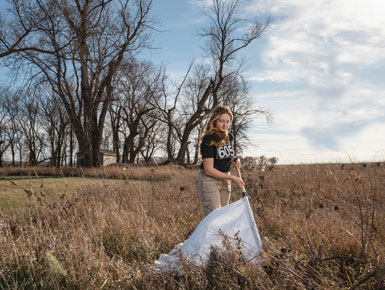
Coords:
107,157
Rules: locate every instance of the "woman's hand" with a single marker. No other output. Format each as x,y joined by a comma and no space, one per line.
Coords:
238,181
237,163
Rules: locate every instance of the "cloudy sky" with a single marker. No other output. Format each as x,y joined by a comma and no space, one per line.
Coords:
319,69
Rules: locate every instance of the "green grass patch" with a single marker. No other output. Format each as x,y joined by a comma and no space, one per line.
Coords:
18,192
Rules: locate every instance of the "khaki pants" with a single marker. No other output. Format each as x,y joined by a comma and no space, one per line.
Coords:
213,192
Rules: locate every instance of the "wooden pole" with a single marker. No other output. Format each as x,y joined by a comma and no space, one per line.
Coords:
240,176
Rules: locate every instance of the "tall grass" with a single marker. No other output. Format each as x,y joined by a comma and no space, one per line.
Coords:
322,227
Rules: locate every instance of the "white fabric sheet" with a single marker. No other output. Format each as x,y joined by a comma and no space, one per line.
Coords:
235,221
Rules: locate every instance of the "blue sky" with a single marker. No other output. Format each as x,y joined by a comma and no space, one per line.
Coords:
319,69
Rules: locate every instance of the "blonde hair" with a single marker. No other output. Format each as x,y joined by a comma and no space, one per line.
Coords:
211,129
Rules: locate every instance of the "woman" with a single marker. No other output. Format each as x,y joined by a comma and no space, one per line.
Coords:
214,186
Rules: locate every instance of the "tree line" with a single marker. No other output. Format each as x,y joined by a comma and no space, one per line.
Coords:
86,87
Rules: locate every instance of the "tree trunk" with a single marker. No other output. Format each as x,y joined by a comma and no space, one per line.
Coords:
115,143
169,145
13,153
131,145
21,156
71,148
194,121
184,144
125,150
196,154
129,154
115,121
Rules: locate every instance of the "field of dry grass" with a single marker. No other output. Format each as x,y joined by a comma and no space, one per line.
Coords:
322,227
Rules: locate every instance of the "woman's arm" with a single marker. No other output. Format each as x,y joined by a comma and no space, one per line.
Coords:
208,165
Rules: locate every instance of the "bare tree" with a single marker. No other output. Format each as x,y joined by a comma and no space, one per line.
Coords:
77,47
55,123
10,103
152,135
115,116
227,34
196,104
235,94
168,114
4,142
138,87
31,127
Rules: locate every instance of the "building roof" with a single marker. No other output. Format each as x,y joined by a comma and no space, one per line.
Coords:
107,152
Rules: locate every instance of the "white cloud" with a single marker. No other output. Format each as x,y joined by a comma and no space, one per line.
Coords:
316,32
369,145
321,76
201,3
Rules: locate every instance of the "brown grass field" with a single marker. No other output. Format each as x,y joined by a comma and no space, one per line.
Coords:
322,227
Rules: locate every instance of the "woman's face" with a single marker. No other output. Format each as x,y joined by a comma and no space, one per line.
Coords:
223,122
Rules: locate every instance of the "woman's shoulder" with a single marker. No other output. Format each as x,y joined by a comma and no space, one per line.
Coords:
209,138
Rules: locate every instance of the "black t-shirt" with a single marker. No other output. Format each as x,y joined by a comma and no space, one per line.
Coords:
222,155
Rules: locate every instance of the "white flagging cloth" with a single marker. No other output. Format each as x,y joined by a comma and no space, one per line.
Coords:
234,221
